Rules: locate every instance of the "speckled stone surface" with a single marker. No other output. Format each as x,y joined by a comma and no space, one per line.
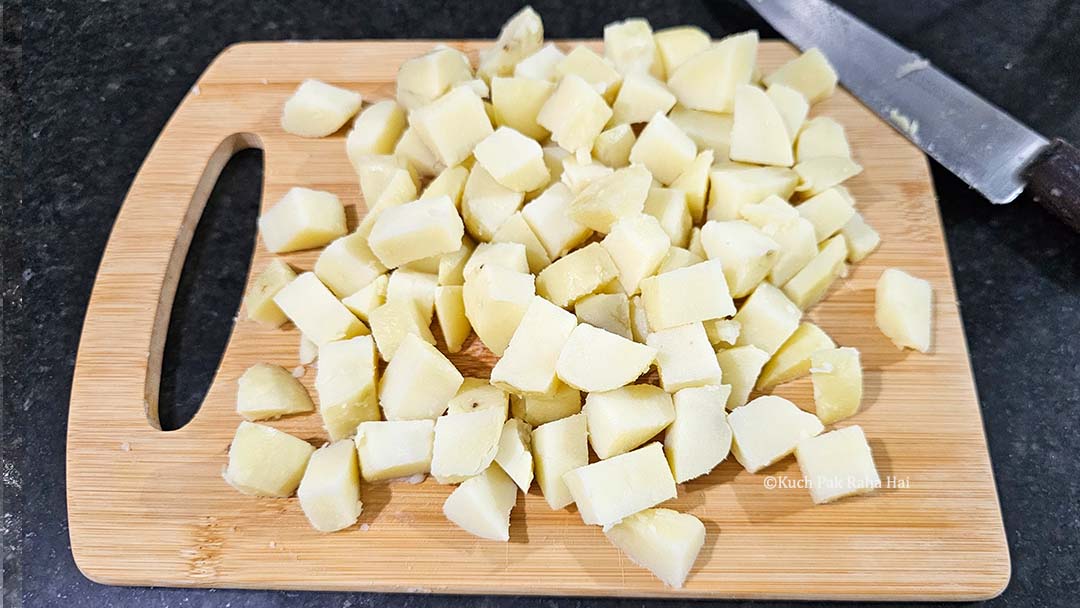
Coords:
88,84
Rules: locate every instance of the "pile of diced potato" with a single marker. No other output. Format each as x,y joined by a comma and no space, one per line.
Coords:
589,217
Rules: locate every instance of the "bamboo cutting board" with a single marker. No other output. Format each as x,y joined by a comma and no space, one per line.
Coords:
148,507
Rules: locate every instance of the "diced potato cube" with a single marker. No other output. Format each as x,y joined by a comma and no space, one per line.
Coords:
733,186
415,287
579,173
793,359
663,149
511,256
302,219
452,265
379,173
521,36
707,80
674,45
630,47
809,74
347,381
316,312
269,391
593,69
686,295
663,541
684,357
746,253
709,130
769,214
798,246
367,298
903,309
376,130
394,449
612,147
837,377
637,245
402,397
416,230
486,204
668,206
477,394
699,438
817,175
541,64
608,311
412,150
318,109
811,283
676,258
512,159
392,321
259,300
450,313
577,275
759,134
481,505
767,318
640,98
722,331
596,360
574,114
828,211
518,101
421,80
821,136
695,246
309,351
694,182
450,182
608,491
542,409
639,320
740,369
768,429
837,464
348,265
452,125
623,419
611,198
861,239
528,363
515,453
516,230
791,105
264,461
495,300
466,444
329,492
547,215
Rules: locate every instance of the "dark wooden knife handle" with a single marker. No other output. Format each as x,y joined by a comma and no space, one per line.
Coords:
1054,181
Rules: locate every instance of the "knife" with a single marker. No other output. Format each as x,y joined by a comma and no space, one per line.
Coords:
980,143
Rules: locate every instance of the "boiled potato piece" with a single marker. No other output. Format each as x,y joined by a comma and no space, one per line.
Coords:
511,256
809,285
722,331
623,419
481,505
518,101
420,159
329,492
731,187
516,230
347,385
684,357
768,429
630,47
421,80
611,198
662,541
699,438
264,461
837,464
495,300
450,182
466,444
515,456
791,105
792,360
837,377
450,313
402,397
759,134
663,149
416,230
637,245
821,136
828,211
740,367
452,125
376,130
708,79
709,130
528,364
309,351
809,74
817,175
595,360
379,174
367,298
770,213
269,391
591,68
394,320
486,204
521,36
577,275
394,449
695,246
316,312
478,394
318,109
798,246
415,287
767,318
686,295
861,239
608,491
674,45
574,114
512,159
639,320
669,207
302,219
676,258
694,182
746,253
452,265
259,300
612,147
348,265
541,64
903,309
542,409
608,311
579,172
640,97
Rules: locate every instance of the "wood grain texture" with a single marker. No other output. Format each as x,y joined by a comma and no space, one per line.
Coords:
148,507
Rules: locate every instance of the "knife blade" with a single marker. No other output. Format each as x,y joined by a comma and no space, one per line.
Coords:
980,143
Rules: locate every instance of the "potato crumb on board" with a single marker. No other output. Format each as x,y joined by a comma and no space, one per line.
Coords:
125,446
299,371
365,527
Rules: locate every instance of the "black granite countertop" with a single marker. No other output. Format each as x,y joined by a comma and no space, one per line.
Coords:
87,85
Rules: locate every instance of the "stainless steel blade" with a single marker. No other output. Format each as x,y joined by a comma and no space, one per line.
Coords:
971,137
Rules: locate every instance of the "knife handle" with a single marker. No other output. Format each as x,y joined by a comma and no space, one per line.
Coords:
1054,181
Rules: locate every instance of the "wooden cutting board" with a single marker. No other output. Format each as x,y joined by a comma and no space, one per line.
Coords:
148,507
